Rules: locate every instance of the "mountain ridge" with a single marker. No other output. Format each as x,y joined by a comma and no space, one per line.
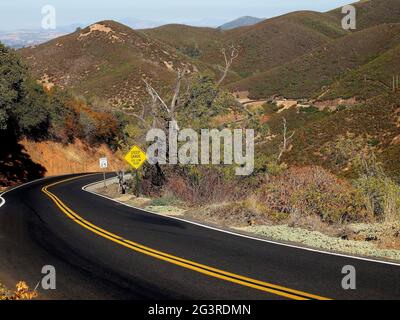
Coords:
303,54
309,74
240,22
107,60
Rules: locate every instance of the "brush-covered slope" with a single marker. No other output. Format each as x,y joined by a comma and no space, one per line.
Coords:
371,13
376,121
263,46
312,74
106,60
196,42
370,80
280,40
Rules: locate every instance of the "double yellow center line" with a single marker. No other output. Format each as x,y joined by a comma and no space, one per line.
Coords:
188,264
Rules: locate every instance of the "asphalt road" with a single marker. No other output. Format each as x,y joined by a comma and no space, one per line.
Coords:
104,250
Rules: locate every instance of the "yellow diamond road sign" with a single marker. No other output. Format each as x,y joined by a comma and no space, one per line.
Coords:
136,157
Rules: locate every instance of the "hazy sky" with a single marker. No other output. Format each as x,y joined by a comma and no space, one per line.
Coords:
21,14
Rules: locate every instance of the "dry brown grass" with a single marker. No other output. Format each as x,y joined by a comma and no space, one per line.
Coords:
385,235
389,243
315,224
230,214
72,158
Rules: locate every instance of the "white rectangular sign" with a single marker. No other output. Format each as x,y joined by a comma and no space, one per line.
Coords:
103,163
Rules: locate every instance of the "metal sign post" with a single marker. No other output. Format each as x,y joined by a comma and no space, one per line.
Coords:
104,166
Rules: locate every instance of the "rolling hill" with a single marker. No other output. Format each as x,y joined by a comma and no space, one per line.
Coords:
370,80
277,41
360,64
109,60
303,54
106,60
268,44
371,13
311,75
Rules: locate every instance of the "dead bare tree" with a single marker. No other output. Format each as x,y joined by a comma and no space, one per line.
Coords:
230,56
287,140
162,112
175,104
171,109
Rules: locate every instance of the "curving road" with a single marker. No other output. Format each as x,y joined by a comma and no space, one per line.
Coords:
105,250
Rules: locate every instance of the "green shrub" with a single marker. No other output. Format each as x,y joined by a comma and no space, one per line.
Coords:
270,108
274,168
266,163
200,185
166,200
341,107
23,102
193,51
353,153
382,196
313,191
333,206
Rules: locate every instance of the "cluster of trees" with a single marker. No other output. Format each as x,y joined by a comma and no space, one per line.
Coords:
71,118
22,102
27,109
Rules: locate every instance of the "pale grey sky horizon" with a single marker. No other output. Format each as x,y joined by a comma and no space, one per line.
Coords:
26,14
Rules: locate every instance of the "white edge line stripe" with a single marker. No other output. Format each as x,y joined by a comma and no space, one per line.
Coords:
238,234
